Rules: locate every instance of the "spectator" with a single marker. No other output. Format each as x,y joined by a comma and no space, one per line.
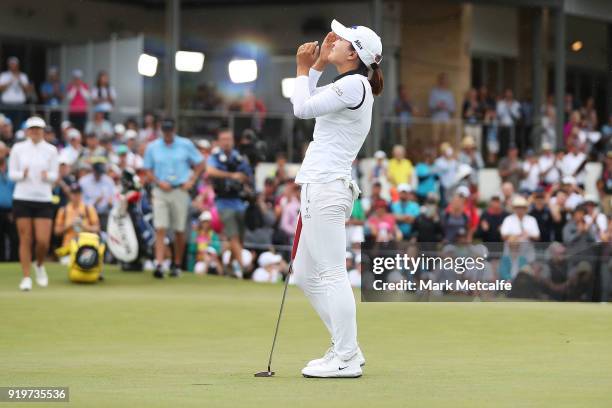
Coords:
34,167
510,168
251,104
405,210
548,166
269,270
606,132
375,195
520,226
472,113
14,86
103,95
281,174
98,190
427,179
231,176
595,218
491,129
470,155
92,151
554,274
542,214
560,214
577,232
400,169
9,242
78,96
52,96
75,217
382,226
427,226
446,167
207,246
6,131
379,170
169,161
604,185
491,220
99,126
572,125
355,233
288,209
455,221
149,129
404,110
509,112
549,120
574,163
531,172
442,108
485,99
127,159
71,153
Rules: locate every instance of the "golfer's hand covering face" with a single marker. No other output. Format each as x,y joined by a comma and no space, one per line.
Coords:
307,54
326,47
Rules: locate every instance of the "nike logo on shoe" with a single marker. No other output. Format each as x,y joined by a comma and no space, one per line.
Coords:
342,368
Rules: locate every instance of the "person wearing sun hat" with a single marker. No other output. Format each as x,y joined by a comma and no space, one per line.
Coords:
34,166
343,113
520,226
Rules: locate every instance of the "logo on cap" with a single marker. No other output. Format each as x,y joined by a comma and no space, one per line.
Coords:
358,44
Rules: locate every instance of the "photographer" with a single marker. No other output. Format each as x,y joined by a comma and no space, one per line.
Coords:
231,176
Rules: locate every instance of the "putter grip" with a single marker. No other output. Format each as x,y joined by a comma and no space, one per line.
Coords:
296,240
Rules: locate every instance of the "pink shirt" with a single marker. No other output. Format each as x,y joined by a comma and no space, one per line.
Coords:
78,97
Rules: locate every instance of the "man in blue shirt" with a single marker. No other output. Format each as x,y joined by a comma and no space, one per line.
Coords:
405,210
8,231
174,165
231,175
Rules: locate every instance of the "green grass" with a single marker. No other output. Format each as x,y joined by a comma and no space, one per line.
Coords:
135,342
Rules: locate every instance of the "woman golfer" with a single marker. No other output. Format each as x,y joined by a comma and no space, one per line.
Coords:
343,112
33,165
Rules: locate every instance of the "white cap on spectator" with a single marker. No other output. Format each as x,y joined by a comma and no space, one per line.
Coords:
546,146
73,134
77,73
33,122
203,144
63,159
463,191
591,198
268,258
119,128
349,255
404,188
463,171
380,155
568,180
130,134
12,59
519,201
65,125
205,216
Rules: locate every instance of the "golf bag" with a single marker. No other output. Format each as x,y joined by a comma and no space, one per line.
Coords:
86,258
130,233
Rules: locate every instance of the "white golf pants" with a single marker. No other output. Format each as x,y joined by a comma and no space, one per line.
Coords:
320,261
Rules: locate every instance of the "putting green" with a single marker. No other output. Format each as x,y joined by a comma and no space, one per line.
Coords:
196,341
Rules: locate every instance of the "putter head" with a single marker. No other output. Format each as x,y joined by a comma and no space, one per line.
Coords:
265,374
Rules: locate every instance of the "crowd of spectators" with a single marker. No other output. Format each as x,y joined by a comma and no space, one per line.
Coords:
233,228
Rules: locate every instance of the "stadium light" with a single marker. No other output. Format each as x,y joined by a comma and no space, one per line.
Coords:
577,46
189,61
241,71
287,85
147,65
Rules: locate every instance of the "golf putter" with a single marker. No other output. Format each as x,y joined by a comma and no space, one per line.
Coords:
298,231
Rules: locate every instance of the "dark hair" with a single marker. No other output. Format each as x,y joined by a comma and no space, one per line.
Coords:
376,80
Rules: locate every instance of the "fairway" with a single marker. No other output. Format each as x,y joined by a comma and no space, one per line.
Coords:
196,341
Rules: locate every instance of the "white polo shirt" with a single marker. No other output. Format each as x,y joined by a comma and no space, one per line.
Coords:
36,157
14,94
343,113
513,226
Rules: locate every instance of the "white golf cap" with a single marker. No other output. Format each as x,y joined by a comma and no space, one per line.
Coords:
119,128
73,134
365,41
130,134
463,191
205,216
268,258
380,155
33,122
591,198
404,188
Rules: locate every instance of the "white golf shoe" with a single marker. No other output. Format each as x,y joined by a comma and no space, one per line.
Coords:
334,368
26,284
42,279
329,354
